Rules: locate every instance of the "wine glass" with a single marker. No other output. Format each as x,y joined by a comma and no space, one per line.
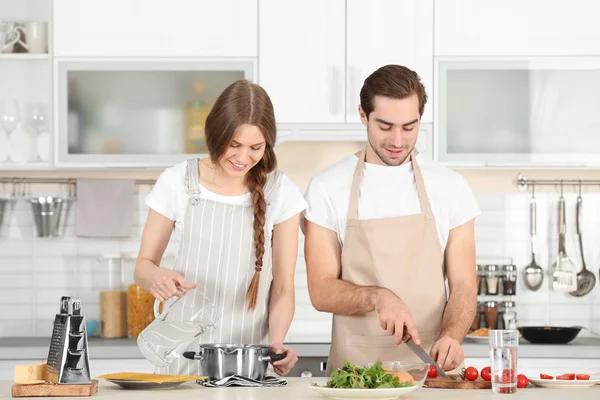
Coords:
38,122
38,118
10,118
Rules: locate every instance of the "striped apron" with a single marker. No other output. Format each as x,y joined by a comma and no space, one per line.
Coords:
217,253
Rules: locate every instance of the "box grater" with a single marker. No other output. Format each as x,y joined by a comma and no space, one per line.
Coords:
68,359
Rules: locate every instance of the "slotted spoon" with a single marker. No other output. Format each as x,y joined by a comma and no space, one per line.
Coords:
564,275
585,278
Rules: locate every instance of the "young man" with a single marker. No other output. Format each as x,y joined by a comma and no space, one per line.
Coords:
384,229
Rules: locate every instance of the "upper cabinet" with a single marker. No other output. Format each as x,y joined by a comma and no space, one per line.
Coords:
382,32
507,112
315,55
302,59
155,28
517,28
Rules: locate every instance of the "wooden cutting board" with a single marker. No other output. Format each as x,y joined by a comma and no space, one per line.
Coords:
442,383
52,390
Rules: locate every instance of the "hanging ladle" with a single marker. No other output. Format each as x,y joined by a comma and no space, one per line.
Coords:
585,278
533,274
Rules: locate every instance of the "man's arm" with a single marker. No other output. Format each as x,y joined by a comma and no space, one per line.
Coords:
328,293
462,302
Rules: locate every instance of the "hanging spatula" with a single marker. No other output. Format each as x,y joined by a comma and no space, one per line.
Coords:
564,275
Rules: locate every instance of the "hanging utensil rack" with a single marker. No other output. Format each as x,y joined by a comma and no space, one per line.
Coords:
524,183
22,182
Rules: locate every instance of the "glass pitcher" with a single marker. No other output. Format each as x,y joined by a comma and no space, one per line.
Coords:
177,327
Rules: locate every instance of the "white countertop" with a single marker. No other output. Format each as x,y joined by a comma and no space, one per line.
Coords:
37,348
298,388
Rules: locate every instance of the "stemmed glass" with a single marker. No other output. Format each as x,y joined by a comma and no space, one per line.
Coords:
10,118
38,122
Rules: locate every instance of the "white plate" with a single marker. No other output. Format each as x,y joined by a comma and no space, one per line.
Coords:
559,384
380,394
144,384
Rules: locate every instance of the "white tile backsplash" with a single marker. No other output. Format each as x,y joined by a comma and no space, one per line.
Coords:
35,272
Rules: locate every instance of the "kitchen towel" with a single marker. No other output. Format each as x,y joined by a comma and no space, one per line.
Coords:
238,380
104,208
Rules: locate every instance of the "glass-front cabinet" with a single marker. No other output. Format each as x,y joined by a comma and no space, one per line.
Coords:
137,113
518,112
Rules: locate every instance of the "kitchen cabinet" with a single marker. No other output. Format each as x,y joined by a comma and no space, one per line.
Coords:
382,32
517,28
155,28
125,112
302,59
517,112
314,56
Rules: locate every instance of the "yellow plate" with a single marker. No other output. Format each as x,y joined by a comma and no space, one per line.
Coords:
156,378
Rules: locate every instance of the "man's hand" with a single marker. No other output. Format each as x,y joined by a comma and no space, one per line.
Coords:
447,352
283,367
395,317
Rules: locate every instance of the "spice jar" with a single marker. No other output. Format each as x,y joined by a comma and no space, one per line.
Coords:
491,314
477,319
510,280
140,310
500,320
491,279
509,315
113,302
479,273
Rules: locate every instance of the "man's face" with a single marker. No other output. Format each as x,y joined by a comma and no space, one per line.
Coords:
392,128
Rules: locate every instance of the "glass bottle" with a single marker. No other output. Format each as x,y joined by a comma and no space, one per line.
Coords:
491,314
510,315
500,320
510,280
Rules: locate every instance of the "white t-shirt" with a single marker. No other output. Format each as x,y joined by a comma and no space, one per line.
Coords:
169,197
389,192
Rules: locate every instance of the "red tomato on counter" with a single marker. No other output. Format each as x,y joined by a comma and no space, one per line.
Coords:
522,381
486,374
582,377
566,377
544,376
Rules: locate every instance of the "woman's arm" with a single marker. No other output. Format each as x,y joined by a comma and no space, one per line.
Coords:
281,306
161,282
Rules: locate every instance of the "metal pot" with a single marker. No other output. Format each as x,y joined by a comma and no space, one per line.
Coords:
218,361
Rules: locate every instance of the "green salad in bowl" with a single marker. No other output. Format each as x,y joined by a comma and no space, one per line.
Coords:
374,376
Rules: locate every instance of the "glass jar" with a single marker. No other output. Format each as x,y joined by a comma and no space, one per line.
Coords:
140,310
500,320
510,280
509,315
491,314
479,273
491,279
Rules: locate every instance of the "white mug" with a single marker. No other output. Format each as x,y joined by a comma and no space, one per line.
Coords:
9,35
36,37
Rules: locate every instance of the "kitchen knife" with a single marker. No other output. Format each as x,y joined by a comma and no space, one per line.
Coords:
418,350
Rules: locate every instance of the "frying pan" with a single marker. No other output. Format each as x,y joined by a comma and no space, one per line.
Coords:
549,334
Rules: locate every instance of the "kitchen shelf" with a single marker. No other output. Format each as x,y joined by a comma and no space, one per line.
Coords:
23,56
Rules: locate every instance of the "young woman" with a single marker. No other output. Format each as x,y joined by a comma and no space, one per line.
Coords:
237,221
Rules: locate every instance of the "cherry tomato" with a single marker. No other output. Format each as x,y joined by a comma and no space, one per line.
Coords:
582,377
544,376
522,381
432,373
508,376
486,374
471,374
566,377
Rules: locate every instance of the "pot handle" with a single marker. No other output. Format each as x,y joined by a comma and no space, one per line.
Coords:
192,355
273,357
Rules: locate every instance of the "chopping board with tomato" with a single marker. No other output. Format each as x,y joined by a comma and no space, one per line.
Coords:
469,378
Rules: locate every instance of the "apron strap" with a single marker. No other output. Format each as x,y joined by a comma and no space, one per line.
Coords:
192,181
357,179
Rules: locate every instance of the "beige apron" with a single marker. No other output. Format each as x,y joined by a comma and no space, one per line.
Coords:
402,254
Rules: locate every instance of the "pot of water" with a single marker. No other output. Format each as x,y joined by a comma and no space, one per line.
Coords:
181,322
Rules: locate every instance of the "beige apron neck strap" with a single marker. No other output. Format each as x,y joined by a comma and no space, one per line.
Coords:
423,198
357,179
355,189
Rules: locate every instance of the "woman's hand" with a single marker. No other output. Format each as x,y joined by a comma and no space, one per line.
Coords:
168,283
283,367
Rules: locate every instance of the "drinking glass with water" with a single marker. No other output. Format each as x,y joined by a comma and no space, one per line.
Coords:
503,360
182,321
